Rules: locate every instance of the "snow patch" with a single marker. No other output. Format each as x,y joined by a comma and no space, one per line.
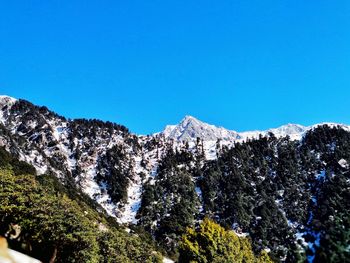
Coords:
200,197
17,257
5,101
343,163
321,176
167,260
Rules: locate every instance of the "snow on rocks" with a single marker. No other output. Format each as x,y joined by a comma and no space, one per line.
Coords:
132,205
190,128
321,176
5,101
343,163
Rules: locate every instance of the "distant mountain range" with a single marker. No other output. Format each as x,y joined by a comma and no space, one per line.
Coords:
190,128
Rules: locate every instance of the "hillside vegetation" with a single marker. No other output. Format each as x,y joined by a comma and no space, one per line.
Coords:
41,218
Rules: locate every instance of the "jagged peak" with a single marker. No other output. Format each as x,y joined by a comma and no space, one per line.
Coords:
190,128
185,121
188,119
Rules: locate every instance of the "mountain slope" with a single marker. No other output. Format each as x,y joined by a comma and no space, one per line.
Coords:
74,150
44,218
266,184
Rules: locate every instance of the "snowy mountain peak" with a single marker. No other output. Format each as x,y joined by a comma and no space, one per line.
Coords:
292,130
189,118
6,100
191,128
190,121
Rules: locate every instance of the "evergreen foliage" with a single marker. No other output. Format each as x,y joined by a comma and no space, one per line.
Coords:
115,172
283,193
168,206
40,219
212,243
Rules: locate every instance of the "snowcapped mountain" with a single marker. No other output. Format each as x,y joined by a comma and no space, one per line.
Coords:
154,181
92,153
190,128
294,131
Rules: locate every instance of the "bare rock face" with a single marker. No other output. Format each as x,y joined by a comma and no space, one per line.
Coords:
11,256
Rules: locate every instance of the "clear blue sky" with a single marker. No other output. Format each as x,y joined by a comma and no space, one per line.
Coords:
240,64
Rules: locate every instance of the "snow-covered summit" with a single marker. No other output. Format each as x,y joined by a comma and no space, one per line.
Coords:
289,129
294,131
190,128
6,100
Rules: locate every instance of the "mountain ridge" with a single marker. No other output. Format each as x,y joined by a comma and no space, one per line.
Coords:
189,128
166,184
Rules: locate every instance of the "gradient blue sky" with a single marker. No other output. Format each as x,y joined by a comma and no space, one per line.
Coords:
240,64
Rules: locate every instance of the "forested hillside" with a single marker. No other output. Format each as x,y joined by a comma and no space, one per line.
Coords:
285,191
291,197
42,218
